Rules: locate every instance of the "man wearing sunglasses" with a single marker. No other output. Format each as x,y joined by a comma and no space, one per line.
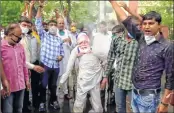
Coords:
32,52
122,52
14,65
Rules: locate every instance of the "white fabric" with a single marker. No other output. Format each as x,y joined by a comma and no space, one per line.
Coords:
149,39
35,49
95,100
74,40
1,87
67,50
101,46
26,44
90,70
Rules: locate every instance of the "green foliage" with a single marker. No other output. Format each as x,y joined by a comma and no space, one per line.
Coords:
10,11
81,11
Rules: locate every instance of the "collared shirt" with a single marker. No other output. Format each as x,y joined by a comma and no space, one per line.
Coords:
35,49
51,46
124,52
151,60
14,63
26,43
101,51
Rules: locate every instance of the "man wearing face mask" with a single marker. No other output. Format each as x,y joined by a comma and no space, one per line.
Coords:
68,43
31,50
73,34
155,55
14,64
50,55
122,52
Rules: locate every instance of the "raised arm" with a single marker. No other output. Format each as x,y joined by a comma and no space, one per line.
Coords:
123,4
30,10
57,13
129,25
25,10
70,65
38,21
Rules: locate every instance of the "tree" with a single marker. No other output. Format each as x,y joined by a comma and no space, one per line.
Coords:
81,11
10,11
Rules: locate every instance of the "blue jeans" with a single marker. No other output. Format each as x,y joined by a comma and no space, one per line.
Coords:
145,104
120,99
14,102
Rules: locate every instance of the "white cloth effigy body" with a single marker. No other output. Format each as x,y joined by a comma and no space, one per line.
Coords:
90,70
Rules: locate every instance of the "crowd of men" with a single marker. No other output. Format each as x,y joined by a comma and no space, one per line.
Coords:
38,57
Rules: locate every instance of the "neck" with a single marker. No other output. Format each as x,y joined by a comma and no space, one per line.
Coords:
9,41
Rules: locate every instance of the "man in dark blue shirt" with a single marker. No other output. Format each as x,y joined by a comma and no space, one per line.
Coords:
155,55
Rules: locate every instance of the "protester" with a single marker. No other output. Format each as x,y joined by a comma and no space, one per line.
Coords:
90,74
14,63
153,57
123,49
50,55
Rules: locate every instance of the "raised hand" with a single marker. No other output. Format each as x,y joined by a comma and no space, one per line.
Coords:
41,2
56,10
32,3
122,4
65,12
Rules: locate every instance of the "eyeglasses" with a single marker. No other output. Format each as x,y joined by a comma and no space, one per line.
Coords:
17,36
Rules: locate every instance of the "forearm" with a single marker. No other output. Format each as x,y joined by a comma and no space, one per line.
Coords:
166,97
30,13
133,13
57,15
30,65
121,14
38,15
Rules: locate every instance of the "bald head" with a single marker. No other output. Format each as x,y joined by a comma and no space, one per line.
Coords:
13,33
60,23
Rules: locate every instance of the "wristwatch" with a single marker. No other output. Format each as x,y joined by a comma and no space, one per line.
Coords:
166,105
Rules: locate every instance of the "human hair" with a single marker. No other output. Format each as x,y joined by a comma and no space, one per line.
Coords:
118,29
52,21
10,28
44,23
153,15
103,23
25,19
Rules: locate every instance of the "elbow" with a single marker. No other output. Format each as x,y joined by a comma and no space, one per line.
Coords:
169,86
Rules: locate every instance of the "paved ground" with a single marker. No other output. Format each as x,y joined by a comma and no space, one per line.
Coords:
67,107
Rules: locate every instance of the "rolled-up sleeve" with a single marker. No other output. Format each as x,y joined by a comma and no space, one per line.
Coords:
169,67
110,59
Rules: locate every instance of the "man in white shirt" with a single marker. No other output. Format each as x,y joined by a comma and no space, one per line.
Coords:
64,34
30,46
100,48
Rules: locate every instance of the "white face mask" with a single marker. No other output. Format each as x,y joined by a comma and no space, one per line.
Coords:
149,39
24,30
53,30
2,33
